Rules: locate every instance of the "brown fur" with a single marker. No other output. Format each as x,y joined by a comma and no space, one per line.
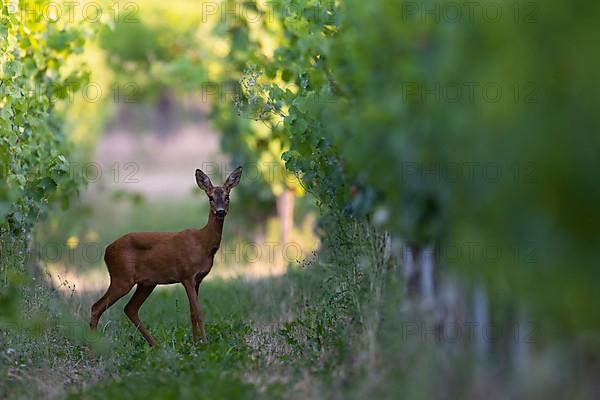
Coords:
147,259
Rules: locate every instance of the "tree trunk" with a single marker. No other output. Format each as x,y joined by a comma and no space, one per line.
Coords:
411,272
481,315
427,276
285,213
164,117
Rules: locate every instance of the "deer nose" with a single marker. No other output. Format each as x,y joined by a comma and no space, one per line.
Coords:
220,212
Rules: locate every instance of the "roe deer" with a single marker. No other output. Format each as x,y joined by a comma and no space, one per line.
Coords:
147,259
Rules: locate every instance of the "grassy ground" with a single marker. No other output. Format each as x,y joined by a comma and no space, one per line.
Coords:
336,328
264,338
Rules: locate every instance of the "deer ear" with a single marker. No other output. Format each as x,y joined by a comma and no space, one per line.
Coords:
233,179
203,181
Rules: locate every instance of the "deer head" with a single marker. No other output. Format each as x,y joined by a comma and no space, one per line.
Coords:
218,195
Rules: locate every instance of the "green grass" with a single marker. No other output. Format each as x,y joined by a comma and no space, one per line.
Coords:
260,343
250,331
177,368
333,329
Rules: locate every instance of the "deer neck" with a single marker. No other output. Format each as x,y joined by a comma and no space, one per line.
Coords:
214,228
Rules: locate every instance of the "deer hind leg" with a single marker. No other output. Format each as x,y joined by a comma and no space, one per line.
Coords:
113,293
131,310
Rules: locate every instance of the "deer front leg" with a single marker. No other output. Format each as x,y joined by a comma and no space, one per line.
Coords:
195,313
202,331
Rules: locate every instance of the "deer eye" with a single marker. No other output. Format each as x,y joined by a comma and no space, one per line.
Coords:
227,197
210,198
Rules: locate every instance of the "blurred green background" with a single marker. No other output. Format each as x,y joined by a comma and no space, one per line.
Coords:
434,160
